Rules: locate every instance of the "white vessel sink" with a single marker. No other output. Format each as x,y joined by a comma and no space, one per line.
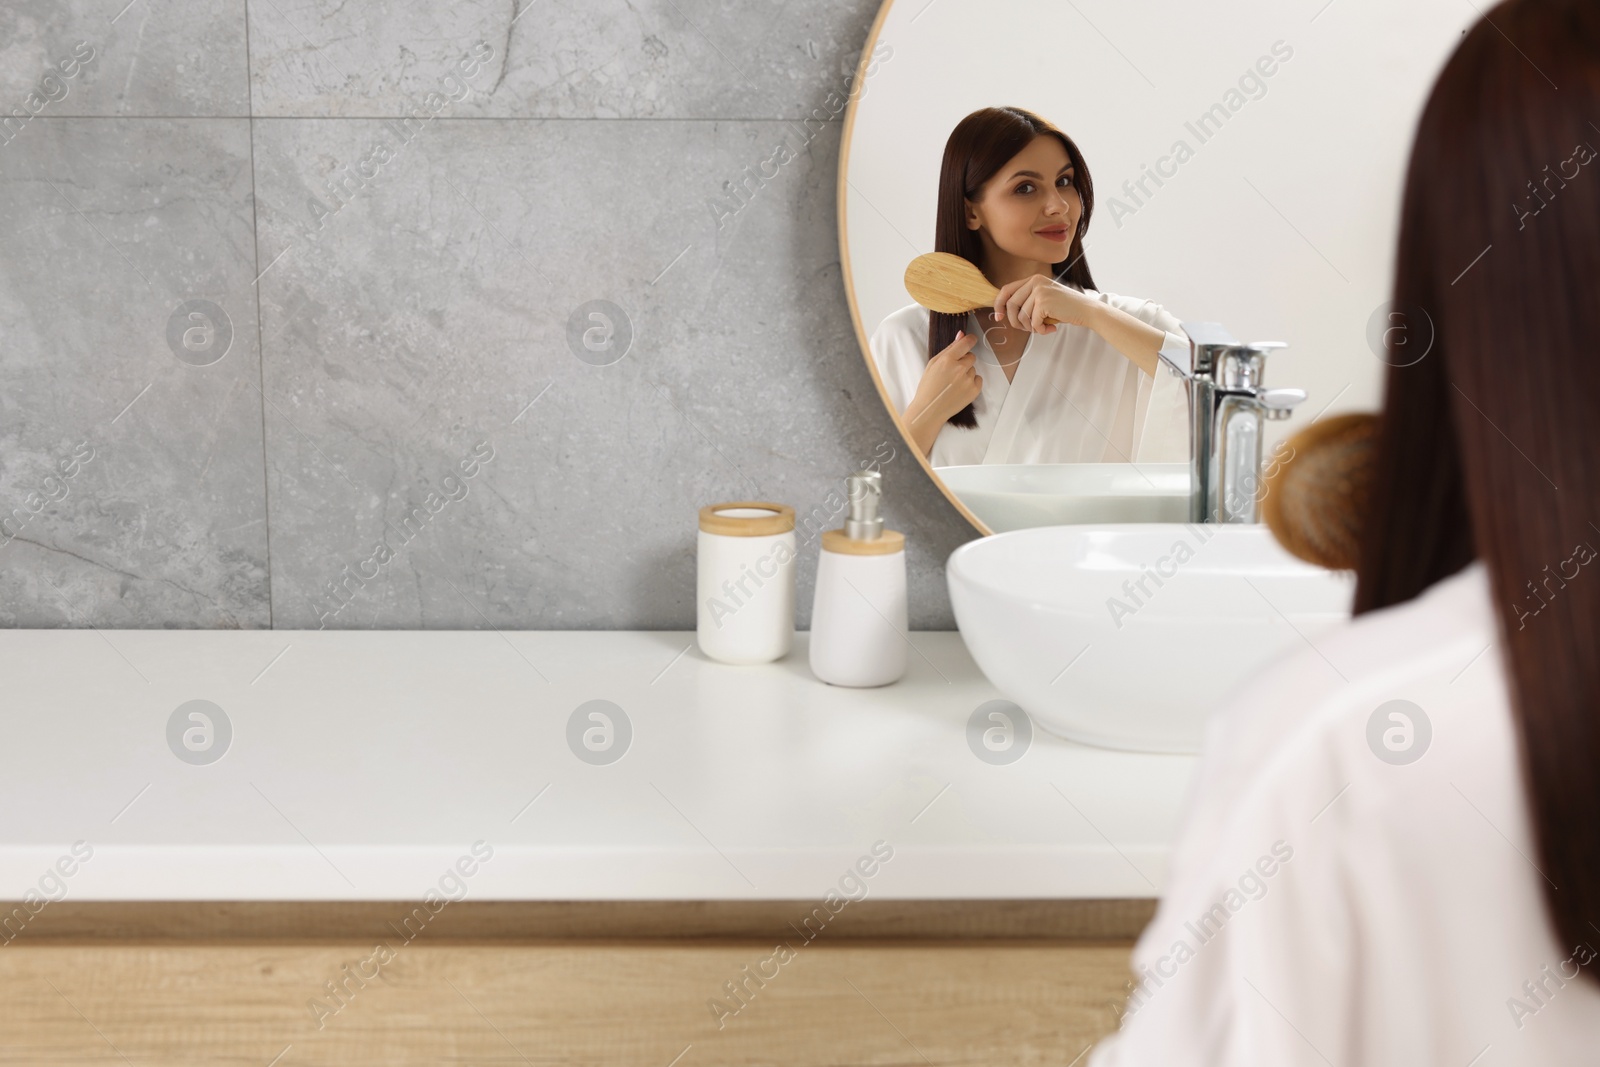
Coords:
1048,620
1016,496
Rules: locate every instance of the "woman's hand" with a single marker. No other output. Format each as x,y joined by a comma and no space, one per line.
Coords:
1026,304
949,383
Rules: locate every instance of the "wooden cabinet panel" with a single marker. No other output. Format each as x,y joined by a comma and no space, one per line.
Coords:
550,1002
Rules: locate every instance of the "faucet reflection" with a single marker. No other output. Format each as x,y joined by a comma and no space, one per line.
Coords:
1227,403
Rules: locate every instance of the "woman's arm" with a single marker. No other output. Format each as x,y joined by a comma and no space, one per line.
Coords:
1026,304
924,426
1137,340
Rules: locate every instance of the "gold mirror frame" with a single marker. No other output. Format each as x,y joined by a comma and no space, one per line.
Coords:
849,282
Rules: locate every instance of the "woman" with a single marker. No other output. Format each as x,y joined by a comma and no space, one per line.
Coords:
1393,847
999,386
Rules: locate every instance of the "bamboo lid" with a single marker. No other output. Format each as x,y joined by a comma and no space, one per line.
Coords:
836,541
747,518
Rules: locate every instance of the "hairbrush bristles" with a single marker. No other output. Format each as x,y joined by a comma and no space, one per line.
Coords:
1316,496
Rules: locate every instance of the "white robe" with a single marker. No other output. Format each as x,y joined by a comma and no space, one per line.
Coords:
1409,912
1075,398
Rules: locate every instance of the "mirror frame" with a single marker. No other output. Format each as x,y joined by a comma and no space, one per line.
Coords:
842,196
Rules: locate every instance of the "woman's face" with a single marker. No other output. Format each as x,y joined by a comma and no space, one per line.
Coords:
1030,207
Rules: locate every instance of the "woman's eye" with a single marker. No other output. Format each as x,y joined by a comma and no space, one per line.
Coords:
1065,179
1025,188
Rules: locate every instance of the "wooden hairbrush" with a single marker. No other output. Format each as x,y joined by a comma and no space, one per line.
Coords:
951,285
1315,498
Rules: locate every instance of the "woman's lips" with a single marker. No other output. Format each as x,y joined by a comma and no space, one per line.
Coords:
1056,233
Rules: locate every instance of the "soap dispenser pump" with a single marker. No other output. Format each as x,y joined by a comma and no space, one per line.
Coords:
858,613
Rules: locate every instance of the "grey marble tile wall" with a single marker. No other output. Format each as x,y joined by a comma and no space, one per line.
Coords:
294,298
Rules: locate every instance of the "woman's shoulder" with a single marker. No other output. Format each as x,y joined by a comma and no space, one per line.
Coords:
1410,642
1309,747
910,321
900,345
1334,705
1339,811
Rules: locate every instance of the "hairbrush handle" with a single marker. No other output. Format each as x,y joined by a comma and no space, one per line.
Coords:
950,285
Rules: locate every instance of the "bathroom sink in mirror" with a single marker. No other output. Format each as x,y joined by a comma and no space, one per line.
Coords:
1127,636
1013,496
1119,174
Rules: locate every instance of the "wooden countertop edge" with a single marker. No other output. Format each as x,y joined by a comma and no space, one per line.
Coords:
468,920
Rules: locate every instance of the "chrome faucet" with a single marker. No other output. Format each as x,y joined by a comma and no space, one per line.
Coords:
1227,402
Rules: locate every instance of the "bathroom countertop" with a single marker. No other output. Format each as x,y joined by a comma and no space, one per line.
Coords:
363,765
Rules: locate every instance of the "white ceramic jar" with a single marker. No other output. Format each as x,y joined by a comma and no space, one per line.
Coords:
744,582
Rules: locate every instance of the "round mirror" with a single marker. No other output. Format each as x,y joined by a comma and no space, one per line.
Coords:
1114,171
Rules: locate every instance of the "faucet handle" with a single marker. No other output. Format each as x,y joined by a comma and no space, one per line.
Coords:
1209,334
1279,403
1207,340
1212,347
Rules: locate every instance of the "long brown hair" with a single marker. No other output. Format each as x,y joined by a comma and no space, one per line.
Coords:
1486,445
980,145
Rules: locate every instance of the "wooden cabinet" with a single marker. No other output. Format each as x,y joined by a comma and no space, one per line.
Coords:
666,984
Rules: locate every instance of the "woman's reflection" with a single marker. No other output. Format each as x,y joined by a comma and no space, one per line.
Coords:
997,385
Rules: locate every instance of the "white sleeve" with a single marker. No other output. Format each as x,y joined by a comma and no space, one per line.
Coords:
1161,426
1161,412
901,356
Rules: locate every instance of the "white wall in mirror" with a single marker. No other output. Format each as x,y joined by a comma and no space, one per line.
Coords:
1281,225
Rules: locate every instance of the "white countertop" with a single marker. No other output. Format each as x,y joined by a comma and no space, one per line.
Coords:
363,764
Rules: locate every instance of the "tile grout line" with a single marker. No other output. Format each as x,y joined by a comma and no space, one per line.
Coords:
261,354
250,118
438,118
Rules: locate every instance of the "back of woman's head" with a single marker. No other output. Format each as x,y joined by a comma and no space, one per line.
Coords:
1486,439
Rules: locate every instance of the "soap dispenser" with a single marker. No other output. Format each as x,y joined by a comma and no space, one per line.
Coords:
858,615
